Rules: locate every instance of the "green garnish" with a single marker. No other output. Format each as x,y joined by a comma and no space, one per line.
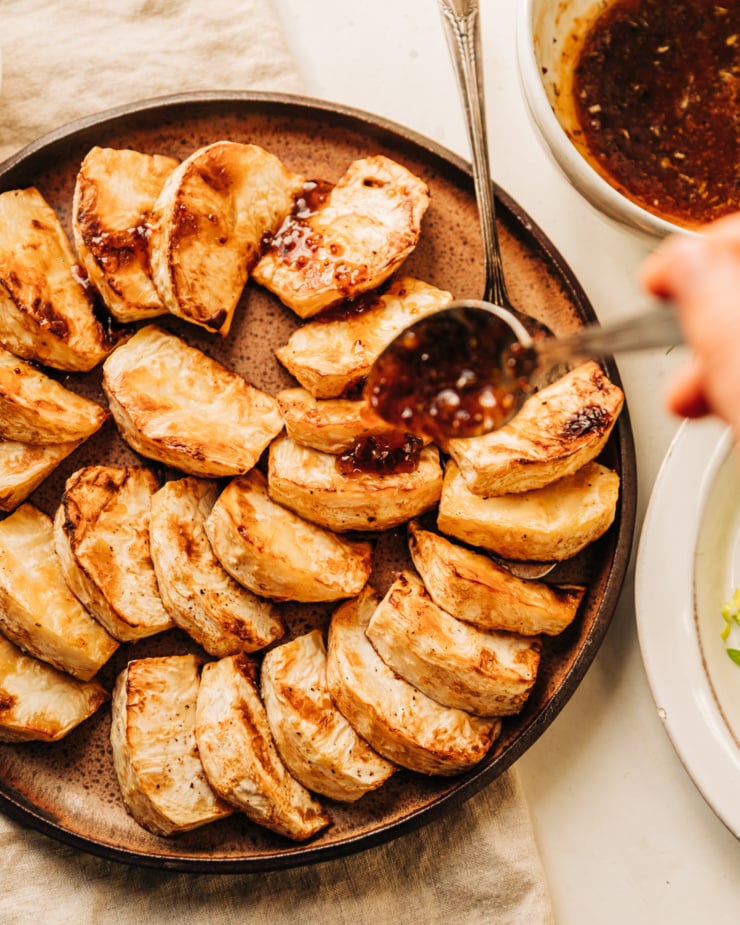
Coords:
731,608
731,614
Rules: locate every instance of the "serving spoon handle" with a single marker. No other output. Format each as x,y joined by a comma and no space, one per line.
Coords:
460,19
649,329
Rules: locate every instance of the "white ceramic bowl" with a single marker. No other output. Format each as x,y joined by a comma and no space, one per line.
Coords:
545,30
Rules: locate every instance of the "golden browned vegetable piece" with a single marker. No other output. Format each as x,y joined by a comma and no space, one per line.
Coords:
38,612
39,703
115,192
155,754
279,555
34,408
239,755
484,672
24,466
559,429
101,534
470,585
198,593
310,483
350,242
329,356
399,721
318,745
173,403
330,425
46,313
208,225
547,524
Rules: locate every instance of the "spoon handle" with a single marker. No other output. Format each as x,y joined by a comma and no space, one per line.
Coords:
653,328
460,19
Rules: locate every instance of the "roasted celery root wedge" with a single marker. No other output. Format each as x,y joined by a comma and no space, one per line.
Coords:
174,404
559,429
483,672
352,241
547,524
38,612
39,703
101,535
317,744
34,408
46,313
208,225
331,425
474,588
198,593
279,555
239,755
311,484
330,355
24,466
397,720
155,754
115,192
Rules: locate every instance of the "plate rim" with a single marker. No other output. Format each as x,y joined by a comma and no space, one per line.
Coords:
624,525
689,712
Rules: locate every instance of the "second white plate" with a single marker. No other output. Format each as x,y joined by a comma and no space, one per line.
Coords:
688,564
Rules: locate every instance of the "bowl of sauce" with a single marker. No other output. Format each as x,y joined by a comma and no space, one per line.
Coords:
638,102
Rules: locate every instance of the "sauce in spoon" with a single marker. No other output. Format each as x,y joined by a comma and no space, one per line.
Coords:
459,373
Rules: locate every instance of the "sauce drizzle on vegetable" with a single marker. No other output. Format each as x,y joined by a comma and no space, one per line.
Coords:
381,455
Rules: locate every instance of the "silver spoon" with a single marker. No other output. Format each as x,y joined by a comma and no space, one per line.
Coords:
467,370
460,19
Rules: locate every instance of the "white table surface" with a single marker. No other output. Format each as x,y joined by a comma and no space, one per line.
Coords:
625,836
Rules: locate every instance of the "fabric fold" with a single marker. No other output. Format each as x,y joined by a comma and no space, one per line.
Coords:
477,865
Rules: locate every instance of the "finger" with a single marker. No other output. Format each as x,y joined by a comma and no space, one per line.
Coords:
685,393
664,272
683,262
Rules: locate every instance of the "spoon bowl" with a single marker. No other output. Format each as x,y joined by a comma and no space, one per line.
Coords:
468,369
459,372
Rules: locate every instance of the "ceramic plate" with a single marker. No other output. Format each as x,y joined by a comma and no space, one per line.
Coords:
68,789
688,565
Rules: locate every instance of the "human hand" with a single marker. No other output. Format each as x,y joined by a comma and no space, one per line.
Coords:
701,275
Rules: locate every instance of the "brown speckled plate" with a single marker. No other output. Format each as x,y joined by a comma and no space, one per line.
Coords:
68,789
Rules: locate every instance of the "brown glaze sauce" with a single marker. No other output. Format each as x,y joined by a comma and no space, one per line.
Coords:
657,98
295,239
7,702
349,308
381,454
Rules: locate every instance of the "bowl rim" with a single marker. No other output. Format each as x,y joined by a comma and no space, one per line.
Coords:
572,164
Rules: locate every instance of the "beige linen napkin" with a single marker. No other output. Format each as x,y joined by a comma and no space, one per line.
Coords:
63,59
476,866
479,863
